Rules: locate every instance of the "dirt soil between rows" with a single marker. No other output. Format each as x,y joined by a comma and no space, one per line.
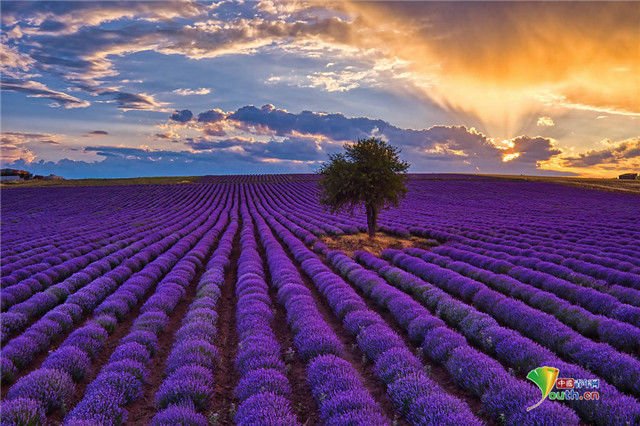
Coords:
350,243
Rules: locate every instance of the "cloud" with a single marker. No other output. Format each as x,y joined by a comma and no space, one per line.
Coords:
615,153
164,136
72,40
419,47
13,63
531,150
271,132
191,92
545,122
70,17
182,116
132,162
213,122
282,122
98,133
270,139
35,89
584,53
307,149
19,145
135,101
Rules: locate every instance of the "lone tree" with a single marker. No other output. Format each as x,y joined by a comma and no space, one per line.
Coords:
369,173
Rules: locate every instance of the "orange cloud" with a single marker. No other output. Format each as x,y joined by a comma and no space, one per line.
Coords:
497,60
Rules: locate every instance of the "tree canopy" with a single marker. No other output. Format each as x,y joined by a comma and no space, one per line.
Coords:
369,173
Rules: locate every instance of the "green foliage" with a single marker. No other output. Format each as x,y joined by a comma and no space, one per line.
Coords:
368,173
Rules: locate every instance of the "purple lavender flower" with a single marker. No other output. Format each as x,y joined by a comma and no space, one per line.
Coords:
421,325
179,415
192,352
132,350
12,322
71,360
359,418
52,388
396,363
135,368
101,408
7,370
22,411
262,380
145,338
123,386
197,330
190,384
357,320
265,409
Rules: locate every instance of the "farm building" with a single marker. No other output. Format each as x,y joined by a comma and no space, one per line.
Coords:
629,176
48,177
14,175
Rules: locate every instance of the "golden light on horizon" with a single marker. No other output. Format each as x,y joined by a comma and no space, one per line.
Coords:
509,157
500,61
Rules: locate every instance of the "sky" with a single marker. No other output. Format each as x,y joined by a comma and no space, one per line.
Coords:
123,89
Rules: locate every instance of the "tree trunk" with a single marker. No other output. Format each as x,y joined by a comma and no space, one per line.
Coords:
372,218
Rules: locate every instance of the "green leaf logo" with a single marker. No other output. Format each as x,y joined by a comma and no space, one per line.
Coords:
545,378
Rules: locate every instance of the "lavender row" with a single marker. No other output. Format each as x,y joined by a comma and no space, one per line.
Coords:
446,347
608,274
599,299
121,380
52,263
20,352
56,269
50,387
510,348
84,217
55,250
414,395
133,209
335,384
188,388
75,272
622,336
263,391
607,293
112,270
313,221
621,370
623,260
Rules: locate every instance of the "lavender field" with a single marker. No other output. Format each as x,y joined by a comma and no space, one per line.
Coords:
228,301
